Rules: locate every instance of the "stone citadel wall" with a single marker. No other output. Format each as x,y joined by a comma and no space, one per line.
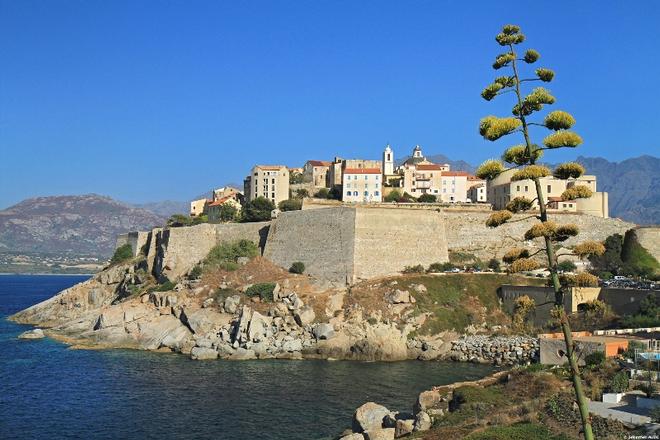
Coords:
348,243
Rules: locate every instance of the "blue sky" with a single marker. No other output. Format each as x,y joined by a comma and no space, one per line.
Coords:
154,100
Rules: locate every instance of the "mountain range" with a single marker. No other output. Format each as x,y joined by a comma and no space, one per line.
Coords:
88,224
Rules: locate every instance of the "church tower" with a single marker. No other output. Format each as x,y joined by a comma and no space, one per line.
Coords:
388,161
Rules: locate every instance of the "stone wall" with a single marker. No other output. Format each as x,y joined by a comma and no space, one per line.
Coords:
622,301
178,250
323,239
498,350
649,238
388,240
467,232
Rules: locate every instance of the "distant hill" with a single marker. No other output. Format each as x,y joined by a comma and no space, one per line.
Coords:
165,208
70,225
632,186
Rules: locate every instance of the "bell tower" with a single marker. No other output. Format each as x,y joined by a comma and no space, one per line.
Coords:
388,161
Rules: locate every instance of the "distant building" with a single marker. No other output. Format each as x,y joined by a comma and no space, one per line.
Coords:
477,189
338,166
454,186
501,190
316,172
269,181
225,191
198,207
422,179
362,185
388,161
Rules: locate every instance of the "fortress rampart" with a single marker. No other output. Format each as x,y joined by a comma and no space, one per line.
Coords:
348,243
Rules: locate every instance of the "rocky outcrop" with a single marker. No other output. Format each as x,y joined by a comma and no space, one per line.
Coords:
501,350
37,333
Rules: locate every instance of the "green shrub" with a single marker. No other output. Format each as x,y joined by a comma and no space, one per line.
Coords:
637,261
414,269
619,383
258,210
225,255
393,196
164,287
566,266
520,431
323,193
179,220
290,205
494,264
227,213
440,267
427,198
297,267
262,290
196,272
122,253
632,347
301,193
595,359
654,413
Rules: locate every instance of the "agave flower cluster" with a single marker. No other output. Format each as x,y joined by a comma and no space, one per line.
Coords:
521,160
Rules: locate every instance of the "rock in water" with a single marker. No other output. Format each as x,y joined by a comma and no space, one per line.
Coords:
37,333
369,416
203,353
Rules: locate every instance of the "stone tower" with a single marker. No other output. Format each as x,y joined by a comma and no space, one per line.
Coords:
388,161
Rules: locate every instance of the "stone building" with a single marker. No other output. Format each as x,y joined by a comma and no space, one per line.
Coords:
269,181
476,189
501,190
316,172
362,185
214,208
422,179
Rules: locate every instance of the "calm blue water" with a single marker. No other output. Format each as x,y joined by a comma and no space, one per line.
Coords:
48,391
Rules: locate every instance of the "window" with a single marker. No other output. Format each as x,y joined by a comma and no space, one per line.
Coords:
273,196
549,189
376,193
444,190
348,193
525,188
377,176
517,187
376,185
366,176
273,181
355,193
366,193
348,177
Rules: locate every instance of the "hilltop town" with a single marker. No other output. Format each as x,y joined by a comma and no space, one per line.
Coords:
415,180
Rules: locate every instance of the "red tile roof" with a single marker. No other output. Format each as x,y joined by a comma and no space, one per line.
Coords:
362,171
319,163
220,201
429,167
472,177
555,199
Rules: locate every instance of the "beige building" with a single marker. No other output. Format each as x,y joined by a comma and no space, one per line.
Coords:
454,187
476,192
316,172
362,185
198,207
338,165
269,181
501,190
422,179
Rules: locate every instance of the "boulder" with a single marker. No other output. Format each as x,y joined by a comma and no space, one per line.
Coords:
323,331
242,354
432,399
176,338
293,345
202,321
420,288
231,304
259,327
305,316
37,333
399,297
380,434
203,353
369,416
151,334
208,302
111,317
354,436
422,421
403,428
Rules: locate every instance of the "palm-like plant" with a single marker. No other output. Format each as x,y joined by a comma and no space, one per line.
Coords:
522,159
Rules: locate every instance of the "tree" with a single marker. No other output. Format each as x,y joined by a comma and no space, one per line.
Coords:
566,266
494,264
178,220
258,210
323,193
522,161
610,261
427,198
301,193
393,196
297,267
290,205
295,178
122,253
227,212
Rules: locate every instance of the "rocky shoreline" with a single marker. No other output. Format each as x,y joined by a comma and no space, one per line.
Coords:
303,320
372,421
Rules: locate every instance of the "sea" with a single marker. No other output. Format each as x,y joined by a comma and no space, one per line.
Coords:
50,391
